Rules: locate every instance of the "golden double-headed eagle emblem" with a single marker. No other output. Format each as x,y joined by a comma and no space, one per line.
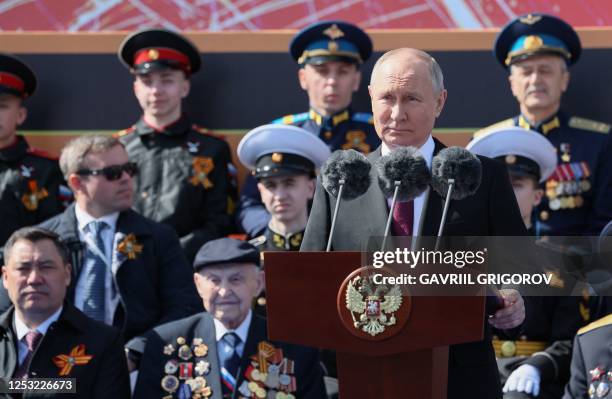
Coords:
372,306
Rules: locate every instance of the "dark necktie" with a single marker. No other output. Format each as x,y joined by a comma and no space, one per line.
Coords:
402,218
95,272
230,362
32,339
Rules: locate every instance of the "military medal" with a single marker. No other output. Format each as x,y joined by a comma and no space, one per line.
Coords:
184,352
185,370
596,373
171,366
585,184
602,389
591,390
355,139
26,171
193,147
202,368
197,341
168,349
555,204
130,247
180,341
170,383
31,199
565,149
200,350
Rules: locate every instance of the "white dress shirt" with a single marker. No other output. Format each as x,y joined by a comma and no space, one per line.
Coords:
242,331
111,297
427,151
21,330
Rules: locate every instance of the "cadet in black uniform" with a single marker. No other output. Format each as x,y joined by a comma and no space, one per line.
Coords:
283,160
184,180
31,184
329,54
537,364
537,49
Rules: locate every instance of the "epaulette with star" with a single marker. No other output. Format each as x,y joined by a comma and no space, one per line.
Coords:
291,119
206,132
124,132
364,117
41,153
483,132
588,124
605,321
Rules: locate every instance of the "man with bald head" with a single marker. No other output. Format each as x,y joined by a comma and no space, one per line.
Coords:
408,95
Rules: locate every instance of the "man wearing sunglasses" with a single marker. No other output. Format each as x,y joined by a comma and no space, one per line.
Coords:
128,271
184,181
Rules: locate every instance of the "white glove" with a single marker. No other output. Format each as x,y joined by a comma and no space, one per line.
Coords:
526,379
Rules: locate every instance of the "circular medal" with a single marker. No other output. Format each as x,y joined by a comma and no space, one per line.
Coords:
585,185
508,348
184,352
180,341
171,366
200,350
602,389
202,368
260,393
560,188
555,204
170,383
551,193
544,215
570,202
284,379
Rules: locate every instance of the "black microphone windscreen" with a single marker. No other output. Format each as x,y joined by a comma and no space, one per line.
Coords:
406,165
348,165
459,164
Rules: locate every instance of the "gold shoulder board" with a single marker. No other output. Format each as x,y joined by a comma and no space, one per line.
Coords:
589,124
604,321
483,132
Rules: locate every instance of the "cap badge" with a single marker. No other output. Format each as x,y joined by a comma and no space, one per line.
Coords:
333,32
510,159
153,54
533,42
332,46
277,157
530,19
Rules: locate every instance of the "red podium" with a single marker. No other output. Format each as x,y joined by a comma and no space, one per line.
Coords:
303,303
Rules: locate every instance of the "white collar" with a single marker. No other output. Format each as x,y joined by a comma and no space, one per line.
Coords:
21,329
83,218
242,331
427,150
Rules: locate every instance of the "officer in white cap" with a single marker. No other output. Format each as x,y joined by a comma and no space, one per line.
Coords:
530,159
283,159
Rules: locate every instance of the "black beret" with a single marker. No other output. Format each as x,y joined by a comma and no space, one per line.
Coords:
224,251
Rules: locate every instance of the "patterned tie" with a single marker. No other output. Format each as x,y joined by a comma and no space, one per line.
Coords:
95,272
32,339
402,218
230,362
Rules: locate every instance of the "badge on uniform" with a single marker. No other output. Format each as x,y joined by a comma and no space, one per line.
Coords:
202,166
76,357
130,247
190,368
31,198
270,374
355,139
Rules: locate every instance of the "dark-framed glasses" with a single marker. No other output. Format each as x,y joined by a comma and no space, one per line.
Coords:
113,172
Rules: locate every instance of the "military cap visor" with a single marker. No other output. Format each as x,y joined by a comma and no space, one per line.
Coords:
536,34
330,41
225,251
514,143
16,77
156,49
275,150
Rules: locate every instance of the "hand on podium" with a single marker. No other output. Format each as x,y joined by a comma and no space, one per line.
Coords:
526,379
513,312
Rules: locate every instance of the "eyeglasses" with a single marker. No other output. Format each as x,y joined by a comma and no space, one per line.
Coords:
111,172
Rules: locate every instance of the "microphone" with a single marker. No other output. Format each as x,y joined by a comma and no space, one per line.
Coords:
345,175
455,174
402,175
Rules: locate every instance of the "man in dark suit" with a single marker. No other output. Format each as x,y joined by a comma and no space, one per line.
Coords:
42,336
128,271
225,352
408,95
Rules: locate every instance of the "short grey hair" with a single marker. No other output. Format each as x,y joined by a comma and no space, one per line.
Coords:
74,152
437,77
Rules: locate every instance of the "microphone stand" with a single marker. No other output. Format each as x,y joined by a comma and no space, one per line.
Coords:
333,226
397,184
451,183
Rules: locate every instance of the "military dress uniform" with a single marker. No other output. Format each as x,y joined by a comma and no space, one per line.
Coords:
31,184
316,44
184,178
577,194
591,367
